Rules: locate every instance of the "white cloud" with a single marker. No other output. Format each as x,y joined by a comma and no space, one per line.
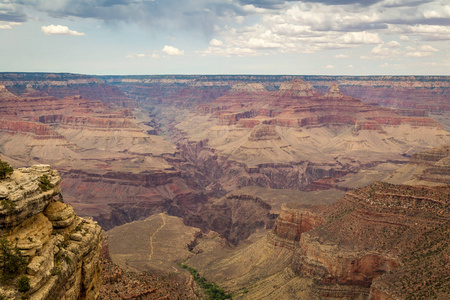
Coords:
422,51
59,29
341,56
393,44
8,25
428,48
142,55
443,12
387,65
229,51
350,66
426,32
215,43
404,38
329,67
384,51
172,51
310,27
362,38
419,54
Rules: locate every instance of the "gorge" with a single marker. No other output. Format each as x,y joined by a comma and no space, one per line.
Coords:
273,187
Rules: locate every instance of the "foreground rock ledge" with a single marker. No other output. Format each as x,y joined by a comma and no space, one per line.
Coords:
62,250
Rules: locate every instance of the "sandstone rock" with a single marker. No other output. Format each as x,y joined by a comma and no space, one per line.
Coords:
31,234
25,197
61,215
335,92
58,267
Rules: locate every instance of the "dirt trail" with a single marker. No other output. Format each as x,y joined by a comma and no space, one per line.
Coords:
151,238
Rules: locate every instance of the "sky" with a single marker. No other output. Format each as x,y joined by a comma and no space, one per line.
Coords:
324,37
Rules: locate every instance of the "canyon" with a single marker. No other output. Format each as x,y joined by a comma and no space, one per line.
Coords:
271,186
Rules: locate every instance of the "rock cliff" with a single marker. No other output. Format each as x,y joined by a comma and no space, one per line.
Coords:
61,251
430,167
382,241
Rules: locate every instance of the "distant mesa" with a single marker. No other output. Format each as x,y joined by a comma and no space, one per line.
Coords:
248,87
264,132
32,92
5,94
335,92
296,88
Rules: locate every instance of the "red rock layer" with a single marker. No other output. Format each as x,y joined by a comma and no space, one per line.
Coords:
296,104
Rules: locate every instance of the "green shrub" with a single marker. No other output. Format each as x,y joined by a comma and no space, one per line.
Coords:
8,204
213,291
23,284
12,262
5,169
44,183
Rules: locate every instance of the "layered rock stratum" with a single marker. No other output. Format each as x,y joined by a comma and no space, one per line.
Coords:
61,250
88,130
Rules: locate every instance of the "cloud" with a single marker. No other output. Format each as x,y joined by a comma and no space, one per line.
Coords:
421,51
261,27
329,67
9,12
340,56
426,32
59,29
384,51
142,55
230,51
393,44
215,43
172,51
404,38
188,15
8,25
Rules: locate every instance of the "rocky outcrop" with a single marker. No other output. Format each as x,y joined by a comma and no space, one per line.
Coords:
234,217
430,167
294,220
264,132
61,250
383,240
296,88
334,92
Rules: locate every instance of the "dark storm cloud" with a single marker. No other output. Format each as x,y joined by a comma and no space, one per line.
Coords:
201,16
269,4
398,3
170,14
9,13
345,2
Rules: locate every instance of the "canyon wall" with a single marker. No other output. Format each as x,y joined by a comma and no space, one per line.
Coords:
61,251
115,168
378,242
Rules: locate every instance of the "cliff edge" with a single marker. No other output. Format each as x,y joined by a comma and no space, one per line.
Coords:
47,251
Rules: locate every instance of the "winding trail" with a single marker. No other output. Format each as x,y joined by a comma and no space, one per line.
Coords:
154,233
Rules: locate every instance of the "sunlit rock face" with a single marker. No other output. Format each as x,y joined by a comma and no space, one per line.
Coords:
62,251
